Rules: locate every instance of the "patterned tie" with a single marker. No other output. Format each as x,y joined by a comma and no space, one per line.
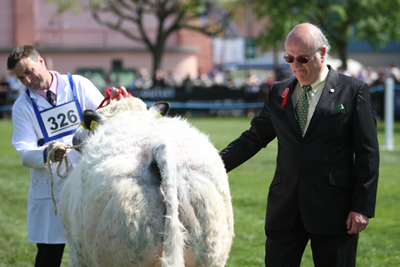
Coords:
51,97
302,108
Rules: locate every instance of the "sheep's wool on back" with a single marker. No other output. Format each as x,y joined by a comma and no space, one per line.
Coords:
148,192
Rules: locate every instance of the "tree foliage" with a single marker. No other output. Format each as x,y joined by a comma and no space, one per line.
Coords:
374,21
129,18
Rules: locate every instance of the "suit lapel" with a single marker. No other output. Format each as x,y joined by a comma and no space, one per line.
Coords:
41,102
327,96
62,88
289,109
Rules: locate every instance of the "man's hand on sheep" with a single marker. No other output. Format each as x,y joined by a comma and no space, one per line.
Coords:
115,92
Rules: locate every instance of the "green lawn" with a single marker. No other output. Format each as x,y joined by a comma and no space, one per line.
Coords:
379,244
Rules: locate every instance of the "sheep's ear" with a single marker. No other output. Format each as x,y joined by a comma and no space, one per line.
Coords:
162,108
91,119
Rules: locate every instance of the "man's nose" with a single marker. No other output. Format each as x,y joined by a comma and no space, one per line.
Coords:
27,78
297,63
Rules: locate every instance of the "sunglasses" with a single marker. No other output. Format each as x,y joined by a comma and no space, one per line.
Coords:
301,59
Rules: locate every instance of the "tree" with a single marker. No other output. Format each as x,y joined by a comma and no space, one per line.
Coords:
341,20
128,17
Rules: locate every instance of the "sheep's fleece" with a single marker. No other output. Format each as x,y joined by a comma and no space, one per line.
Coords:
148,191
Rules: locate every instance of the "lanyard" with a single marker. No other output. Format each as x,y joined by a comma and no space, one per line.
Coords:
58,121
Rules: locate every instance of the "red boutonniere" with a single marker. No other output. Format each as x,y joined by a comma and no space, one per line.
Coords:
284,96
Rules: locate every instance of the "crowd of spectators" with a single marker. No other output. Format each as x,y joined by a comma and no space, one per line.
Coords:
376,78
252,82
10,89
255,86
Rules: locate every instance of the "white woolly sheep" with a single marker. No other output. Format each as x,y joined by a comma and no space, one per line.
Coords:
148,191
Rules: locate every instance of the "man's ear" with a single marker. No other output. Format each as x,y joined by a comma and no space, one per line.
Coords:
161,107
91,119
41,61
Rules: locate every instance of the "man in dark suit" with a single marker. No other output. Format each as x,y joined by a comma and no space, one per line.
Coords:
325,183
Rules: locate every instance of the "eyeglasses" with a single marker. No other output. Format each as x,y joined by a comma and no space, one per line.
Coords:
302,60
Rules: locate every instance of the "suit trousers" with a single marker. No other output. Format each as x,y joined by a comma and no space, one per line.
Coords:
49,255
287,248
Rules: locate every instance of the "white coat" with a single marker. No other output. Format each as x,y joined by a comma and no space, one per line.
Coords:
43,225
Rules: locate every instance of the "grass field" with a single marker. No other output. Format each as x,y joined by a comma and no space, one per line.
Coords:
379,244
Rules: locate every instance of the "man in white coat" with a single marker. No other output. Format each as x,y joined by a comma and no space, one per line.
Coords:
49,110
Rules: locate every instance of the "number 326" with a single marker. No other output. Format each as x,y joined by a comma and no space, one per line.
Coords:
70,117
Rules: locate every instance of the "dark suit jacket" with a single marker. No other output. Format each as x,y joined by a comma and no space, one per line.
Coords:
331,171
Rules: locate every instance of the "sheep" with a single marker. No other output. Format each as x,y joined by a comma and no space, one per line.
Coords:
149,191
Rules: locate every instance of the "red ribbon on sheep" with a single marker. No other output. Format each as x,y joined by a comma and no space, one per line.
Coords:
107,100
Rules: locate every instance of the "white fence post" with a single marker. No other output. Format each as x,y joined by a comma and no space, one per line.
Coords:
389,113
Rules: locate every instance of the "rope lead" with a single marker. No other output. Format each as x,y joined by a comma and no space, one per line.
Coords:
51,158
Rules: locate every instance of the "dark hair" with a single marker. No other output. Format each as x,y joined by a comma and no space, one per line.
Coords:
21,52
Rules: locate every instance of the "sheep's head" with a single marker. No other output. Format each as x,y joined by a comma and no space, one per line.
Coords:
92,119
